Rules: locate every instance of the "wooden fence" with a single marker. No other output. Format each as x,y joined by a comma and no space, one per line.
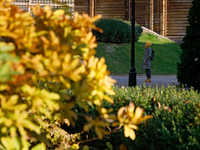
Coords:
26,4
166,17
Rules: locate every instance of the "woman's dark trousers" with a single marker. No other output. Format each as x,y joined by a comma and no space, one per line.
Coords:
148,73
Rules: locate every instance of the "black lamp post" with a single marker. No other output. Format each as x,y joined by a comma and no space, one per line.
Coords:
132,73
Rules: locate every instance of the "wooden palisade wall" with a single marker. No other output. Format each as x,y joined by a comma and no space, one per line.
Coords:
177,12
166,17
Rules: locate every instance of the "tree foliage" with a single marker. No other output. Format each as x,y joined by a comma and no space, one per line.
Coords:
188,68
48,67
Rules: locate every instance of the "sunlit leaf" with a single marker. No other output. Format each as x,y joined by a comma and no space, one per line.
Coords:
40,146
75,147
6,47
128,132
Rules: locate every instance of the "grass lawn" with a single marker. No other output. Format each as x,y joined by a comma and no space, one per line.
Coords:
118,56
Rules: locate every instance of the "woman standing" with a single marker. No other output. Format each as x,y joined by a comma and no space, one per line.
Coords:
146,61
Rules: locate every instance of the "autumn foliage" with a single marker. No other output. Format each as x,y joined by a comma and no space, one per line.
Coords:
40,59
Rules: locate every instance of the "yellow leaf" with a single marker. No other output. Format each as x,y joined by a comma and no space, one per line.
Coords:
131,107
67,30
4,129
30,90
133,126
8,122
128,132
7,143
109,90
3,87
107,98
103,110
65,82
31,126
12,100
74,147
2,119
8,34
38,33
59,12
22,131
13,131
138,114
97,102
120,114
95,18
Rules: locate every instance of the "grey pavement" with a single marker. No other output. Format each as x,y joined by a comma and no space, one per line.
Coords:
155,80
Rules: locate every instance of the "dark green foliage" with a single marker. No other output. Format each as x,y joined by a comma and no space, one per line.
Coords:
189,67
175,123
138,31
115,31
176,118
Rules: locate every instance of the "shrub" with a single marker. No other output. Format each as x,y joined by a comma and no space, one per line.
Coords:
47,67
115,31
175,124
188,69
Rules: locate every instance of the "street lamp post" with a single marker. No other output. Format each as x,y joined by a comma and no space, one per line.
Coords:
132,73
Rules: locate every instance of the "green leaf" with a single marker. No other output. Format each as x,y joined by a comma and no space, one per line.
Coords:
40,146
17,143
6,48
7,56
109,145
4,69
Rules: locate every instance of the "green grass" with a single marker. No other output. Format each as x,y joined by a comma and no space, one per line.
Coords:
118,56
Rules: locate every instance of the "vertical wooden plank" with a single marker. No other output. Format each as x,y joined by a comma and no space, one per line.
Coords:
146,13
158,16
163,14
164,17
151,14
92,8
161,18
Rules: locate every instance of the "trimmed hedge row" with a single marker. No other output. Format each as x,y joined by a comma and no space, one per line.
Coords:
175,124
176,118
116,31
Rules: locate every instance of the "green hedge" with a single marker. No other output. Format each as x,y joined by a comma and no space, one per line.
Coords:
175,124
176,118
116,31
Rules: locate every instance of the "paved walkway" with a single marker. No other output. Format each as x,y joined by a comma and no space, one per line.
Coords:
155,79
